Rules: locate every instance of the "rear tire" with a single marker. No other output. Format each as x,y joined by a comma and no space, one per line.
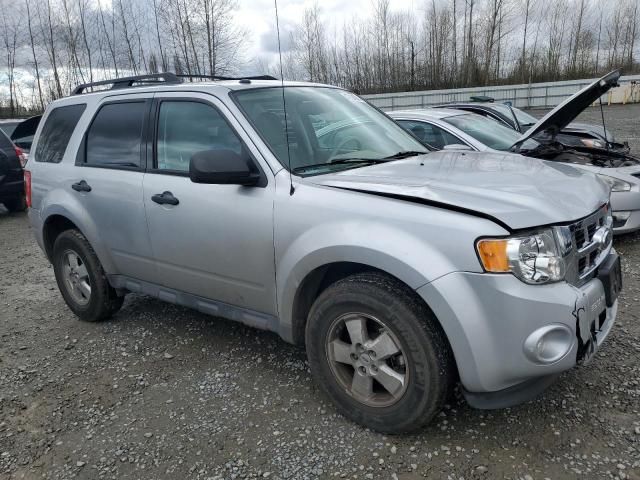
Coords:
398,376
81,279
16,204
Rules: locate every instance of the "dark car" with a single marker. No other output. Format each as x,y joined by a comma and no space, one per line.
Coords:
12,162
22,134
573,135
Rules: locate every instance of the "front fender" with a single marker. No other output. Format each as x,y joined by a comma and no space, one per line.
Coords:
396,252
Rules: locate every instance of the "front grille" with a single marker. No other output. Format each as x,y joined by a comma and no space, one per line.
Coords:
588,249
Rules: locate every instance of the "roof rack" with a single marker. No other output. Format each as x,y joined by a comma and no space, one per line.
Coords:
220,77
126,82
154,78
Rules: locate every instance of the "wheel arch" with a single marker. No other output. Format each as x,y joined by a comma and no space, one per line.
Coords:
294,312
59,219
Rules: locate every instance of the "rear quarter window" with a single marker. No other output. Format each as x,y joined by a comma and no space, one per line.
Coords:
56,132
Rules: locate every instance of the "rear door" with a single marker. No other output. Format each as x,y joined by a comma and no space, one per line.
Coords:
108,181
217,240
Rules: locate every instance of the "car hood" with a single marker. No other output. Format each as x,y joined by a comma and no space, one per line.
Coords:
519,192
561,116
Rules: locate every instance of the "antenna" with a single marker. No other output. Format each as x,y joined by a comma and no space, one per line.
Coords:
284,103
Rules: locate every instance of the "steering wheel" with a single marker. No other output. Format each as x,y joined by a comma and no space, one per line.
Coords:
342,144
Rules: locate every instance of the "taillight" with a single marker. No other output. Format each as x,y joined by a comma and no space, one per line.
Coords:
27,187
21,156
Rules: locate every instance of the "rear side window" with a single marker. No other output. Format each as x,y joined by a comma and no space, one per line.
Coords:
57,131
115,135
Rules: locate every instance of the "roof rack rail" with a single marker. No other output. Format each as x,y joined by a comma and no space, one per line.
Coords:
154,78
220,77
125,82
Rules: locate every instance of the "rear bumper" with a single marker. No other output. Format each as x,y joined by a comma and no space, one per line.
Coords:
11,190
494,322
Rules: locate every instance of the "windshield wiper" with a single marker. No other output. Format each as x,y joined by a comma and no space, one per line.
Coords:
339,161
405,154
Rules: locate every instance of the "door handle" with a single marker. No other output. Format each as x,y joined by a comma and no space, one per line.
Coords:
81,186
165,198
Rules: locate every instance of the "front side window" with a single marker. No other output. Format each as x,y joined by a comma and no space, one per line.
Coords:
326,128
430,134
488,132
186,128
115,136
56,132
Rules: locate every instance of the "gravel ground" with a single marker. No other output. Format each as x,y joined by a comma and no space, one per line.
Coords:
165,392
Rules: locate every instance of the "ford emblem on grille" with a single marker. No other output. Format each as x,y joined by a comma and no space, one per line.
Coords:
602,237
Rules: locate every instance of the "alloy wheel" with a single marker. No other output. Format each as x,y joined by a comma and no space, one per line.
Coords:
367,359
76,277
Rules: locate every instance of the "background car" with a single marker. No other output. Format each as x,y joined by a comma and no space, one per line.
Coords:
22,134
573,135
12,162
459,129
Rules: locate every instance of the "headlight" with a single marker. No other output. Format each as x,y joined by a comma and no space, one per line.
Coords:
616,184
533,258
592,143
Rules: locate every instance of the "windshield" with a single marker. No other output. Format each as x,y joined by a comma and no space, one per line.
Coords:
524,119
328,128
488,132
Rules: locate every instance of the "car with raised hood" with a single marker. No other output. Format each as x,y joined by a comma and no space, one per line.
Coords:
575,134
402,272
456,129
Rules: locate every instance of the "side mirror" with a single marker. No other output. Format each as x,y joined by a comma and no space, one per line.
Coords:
223,167
458,147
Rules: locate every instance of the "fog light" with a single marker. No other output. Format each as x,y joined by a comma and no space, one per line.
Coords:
548,344
620,218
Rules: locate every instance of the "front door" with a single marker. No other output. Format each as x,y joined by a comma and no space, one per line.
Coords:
214,241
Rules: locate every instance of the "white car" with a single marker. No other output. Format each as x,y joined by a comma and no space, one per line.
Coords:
450,129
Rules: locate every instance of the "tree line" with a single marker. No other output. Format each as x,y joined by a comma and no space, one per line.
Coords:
461,43
49,46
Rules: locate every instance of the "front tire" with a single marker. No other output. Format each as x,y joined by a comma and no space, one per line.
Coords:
81,279
379,353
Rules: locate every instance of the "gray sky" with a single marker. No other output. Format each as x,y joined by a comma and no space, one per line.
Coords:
258,17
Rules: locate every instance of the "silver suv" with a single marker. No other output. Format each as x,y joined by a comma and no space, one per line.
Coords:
301,209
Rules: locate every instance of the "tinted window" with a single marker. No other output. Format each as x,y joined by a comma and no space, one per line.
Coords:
56,133
185,128
433,136
115,136
8,127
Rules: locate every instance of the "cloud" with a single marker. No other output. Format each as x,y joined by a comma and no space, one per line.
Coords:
269,39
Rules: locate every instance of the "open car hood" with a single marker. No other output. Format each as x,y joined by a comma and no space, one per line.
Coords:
519,192
561,116
26,128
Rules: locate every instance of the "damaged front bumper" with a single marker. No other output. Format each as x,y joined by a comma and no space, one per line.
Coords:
511,340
